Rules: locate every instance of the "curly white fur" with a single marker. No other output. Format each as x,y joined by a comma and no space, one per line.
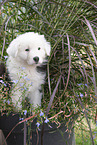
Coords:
26,52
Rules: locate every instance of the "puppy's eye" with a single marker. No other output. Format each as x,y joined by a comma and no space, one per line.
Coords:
27,49
39,48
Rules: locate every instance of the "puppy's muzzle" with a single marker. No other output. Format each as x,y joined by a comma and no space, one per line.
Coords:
36,59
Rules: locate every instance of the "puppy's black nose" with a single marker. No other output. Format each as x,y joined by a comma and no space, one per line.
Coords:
36,59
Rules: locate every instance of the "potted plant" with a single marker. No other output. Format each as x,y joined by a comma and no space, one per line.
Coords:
70,89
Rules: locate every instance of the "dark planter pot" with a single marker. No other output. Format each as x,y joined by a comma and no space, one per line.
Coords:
6,124
51,136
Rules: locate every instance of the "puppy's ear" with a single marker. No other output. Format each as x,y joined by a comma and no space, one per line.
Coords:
12,50
47,48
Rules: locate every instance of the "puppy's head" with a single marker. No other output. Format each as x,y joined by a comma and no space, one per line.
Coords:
29,47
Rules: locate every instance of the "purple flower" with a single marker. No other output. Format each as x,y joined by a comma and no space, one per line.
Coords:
23,68
95,132
21,118
46,121
25,112
41,113
81,95
96,123
8,101
94,136
5,57
27,79
1,81
31,84
21,84
4,101
24,77
80,84
5,85
38,124
15,81
25,88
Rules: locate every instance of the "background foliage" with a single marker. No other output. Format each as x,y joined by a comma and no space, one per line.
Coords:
71,28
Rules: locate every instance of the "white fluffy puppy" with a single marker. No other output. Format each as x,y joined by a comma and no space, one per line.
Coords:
27,54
